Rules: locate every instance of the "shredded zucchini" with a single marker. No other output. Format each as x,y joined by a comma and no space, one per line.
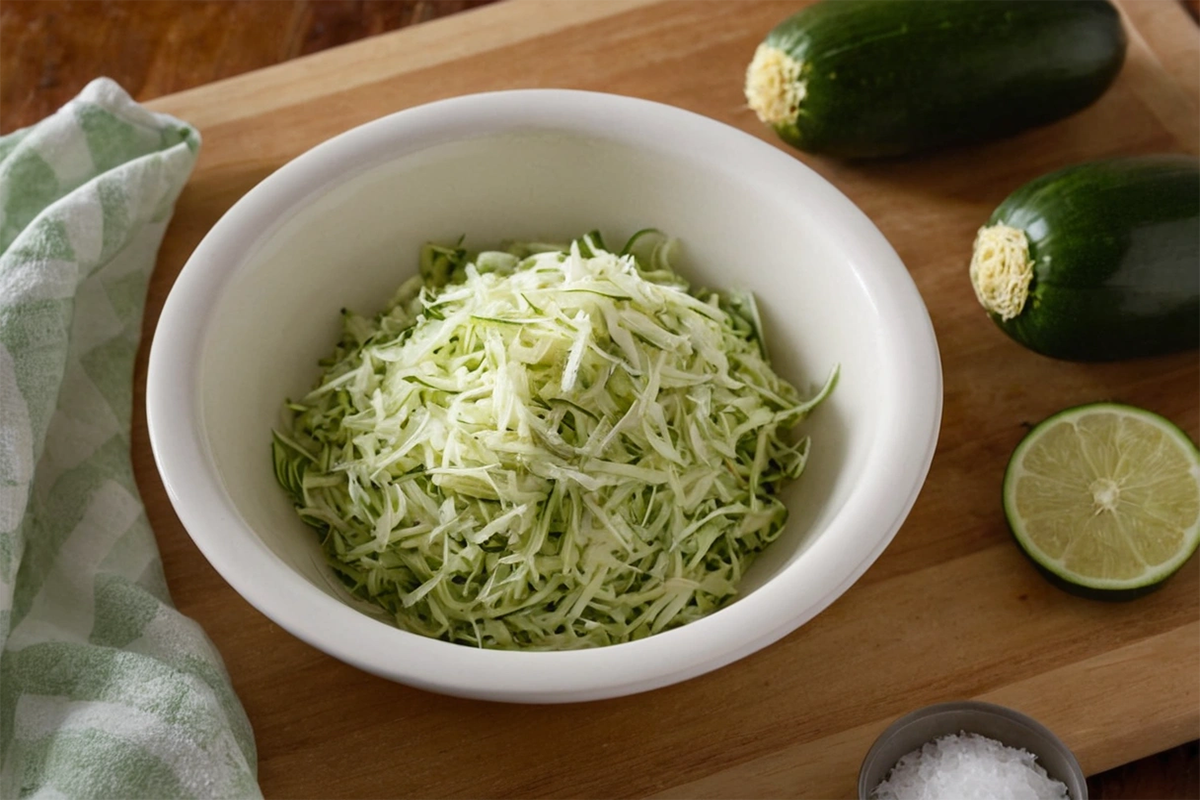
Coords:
546,447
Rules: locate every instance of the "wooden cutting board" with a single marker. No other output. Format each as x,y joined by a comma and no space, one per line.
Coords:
950,611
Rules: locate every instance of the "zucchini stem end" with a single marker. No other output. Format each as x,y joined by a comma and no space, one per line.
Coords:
774,89
1001,270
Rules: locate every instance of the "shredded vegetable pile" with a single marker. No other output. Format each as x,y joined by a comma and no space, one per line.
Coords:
546,447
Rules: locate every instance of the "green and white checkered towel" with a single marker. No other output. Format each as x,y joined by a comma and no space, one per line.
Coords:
105,689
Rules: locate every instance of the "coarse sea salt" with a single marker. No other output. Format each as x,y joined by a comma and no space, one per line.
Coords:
967,766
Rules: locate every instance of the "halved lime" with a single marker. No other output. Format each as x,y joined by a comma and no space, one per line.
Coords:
1105,499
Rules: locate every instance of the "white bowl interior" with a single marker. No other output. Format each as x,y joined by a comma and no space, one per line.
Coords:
355,244
257,306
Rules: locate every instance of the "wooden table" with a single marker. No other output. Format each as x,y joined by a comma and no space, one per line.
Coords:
48,50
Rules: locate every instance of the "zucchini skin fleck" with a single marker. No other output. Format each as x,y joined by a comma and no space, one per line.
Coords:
1116,252
893,77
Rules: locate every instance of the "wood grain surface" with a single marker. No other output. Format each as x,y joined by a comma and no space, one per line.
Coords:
51,48
950,610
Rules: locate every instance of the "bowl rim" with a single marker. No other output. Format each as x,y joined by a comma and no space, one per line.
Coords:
907,431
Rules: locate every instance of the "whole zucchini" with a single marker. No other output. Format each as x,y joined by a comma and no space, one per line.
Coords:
1097,262
867,78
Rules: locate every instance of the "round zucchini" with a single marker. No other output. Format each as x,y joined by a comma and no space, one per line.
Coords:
1097,262
869,78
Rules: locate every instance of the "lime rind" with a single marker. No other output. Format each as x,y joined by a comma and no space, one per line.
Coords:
1054,568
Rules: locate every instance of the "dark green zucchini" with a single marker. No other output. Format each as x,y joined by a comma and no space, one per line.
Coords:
868,78
1097,262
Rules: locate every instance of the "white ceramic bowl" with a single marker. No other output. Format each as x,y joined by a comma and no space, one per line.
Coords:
257,305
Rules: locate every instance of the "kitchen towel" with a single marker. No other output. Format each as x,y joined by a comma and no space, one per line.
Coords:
105,689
